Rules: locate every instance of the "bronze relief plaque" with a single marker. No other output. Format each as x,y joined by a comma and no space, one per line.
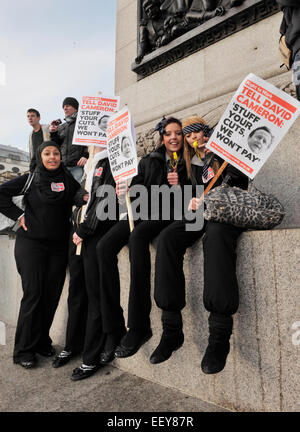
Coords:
169,30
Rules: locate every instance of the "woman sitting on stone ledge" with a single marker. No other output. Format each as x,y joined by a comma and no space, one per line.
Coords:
155,169
220,294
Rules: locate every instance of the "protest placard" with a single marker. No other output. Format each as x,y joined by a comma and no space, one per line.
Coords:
121,146
91,128
253,124
92,120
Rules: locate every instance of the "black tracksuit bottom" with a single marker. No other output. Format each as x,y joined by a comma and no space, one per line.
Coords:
94,337
221,294
77,301
42,266
108,247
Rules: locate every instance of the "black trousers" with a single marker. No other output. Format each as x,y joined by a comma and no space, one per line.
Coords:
220,293
42,267
77,301
94,337
139,305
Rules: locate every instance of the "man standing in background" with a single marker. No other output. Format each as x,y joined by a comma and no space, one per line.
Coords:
39,134
74,157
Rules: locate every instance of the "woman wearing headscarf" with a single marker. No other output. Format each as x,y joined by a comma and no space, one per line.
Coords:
41,247
219,245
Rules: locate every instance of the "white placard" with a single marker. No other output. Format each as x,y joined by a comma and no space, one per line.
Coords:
121,145
92,119
254,123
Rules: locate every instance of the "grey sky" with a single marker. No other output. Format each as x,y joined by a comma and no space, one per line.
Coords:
52,49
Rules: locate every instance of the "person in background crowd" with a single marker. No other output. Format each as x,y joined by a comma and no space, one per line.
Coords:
39,134
41,247
74,157
219,244
290,27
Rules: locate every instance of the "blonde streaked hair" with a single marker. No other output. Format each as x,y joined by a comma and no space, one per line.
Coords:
189,151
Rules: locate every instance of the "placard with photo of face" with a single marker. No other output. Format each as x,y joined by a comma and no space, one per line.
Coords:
253,124
121,145
92,120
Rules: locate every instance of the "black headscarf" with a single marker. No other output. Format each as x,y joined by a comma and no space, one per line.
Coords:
53,186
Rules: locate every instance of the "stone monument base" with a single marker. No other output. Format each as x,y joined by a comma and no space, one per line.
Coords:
262,371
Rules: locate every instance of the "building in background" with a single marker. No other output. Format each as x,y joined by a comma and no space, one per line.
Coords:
13,162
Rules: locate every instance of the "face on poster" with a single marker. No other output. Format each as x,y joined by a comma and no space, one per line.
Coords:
122,146
254,123
92,120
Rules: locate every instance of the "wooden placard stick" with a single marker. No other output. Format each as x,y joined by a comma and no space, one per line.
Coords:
219,172
129,209
83,210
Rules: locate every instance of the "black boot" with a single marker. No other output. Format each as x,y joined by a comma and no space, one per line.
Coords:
220,329
132,342
172,337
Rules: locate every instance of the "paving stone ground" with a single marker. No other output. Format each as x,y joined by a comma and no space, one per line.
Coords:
45,389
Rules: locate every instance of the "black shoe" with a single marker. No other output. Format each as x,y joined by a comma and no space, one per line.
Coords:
27,364
82,373
123,351
111,343
62,359
214,359
166,346
46,352
107,356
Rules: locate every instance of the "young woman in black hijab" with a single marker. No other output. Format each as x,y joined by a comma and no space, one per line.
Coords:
41,247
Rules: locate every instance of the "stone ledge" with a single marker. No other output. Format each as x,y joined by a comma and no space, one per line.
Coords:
262,371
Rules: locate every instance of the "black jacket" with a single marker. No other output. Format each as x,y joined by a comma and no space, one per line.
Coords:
102,177
290,25
64,138
44,221
153,170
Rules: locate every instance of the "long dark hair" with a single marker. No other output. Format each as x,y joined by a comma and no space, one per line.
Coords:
162,129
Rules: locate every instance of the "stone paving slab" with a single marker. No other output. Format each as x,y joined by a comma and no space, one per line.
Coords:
45,389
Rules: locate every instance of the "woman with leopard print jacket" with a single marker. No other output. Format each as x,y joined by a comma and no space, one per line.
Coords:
221,294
